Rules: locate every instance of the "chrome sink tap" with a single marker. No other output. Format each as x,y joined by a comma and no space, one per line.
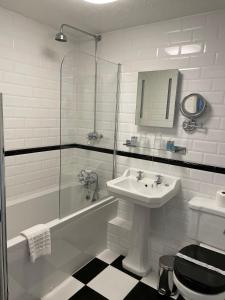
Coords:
158,179
140,175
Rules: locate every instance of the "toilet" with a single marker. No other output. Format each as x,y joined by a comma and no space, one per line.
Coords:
199,268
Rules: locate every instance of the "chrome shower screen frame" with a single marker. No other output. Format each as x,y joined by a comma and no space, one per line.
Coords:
116,122
3,234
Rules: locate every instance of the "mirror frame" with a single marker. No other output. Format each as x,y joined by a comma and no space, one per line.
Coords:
171,97
192,115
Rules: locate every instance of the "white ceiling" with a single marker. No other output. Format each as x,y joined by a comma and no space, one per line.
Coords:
108,17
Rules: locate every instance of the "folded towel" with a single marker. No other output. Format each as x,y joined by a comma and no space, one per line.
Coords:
39,241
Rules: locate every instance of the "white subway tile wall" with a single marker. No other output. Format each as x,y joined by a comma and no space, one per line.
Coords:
196,46
29,73
31,173
30,81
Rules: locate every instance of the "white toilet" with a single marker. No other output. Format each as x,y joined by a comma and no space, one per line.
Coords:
199,269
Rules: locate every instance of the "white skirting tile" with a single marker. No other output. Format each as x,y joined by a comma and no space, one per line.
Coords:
65,290
108,256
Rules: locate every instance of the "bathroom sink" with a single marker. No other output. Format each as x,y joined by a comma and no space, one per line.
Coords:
144,191
147,191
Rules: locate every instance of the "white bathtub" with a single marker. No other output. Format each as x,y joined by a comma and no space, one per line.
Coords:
44,207
76,239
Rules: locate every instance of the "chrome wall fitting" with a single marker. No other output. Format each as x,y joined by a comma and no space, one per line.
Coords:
94,136
191,125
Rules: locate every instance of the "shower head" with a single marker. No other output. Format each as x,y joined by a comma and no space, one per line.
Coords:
61,37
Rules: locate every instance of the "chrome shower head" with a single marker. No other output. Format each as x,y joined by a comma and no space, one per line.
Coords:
61,37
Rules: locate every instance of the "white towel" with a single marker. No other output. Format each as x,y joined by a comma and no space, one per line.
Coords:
39,241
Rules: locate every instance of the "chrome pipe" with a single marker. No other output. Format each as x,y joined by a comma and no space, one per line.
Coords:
116,122
97,37
3,232
60,140
96,86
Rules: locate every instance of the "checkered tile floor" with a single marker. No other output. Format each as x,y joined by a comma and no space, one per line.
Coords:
104,278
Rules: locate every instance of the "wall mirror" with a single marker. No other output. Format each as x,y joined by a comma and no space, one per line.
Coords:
192,107
156,98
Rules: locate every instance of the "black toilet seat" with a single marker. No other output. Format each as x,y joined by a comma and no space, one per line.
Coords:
199,278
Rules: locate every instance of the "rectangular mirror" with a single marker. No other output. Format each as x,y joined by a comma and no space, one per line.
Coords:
156,98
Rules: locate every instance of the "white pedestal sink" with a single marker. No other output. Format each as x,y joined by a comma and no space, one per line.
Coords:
145,192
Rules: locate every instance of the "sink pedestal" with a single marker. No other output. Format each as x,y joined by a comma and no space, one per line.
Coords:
145,194
138,259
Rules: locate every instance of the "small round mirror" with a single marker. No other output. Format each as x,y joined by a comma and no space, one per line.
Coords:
193,106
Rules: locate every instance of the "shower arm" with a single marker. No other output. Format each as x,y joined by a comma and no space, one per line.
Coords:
97,37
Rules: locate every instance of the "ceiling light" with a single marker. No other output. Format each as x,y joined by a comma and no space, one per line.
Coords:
100,1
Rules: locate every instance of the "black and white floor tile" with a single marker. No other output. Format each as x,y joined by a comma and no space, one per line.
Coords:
104,278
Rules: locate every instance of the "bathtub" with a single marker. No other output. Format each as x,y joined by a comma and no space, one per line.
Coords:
44,207
76,239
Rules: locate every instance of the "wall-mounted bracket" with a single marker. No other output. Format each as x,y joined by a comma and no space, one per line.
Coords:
191,125
178,149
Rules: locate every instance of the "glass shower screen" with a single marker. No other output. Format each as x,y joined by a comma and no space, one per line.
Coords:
88,126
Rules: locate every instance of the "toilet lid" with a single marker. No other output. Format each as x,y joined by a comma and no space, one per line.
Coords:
200,269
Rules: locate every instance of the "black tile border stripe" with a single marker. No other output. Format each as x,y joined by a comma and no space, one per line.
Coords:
168,161
31,150
57,147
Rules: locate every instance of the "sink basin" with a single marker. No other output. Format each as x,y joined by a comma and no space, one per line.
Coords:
145,191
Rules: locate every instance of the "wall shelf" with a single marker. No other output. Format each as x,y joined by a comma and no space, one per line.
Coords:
176,149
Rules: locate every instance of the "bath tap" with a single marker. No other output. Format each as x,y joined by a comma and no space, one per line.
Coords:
140,175
158,179
89,179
